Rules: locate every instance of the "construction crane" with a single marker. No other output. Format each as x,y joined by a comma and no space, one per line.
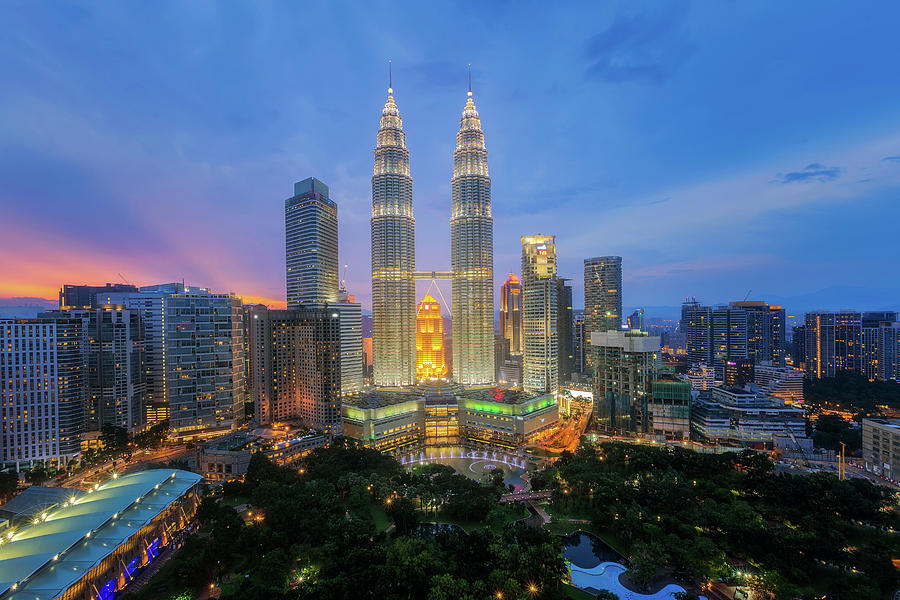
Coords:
748,295
122,277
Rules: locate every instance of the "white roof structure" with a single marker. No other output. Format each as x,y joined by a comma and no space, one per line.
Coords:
42,559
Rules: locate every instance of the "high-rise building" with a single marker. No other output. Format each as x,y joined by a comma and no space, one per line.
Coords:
729,337
889,351
113,349
295,366
603,293
696,321
798,346
877,348
42,391
351,349
472,254
636,320
430,340
82,296
393,255
511,313
833,342
625,365
194,356
311,244
765,330
565,323
581,348
539,313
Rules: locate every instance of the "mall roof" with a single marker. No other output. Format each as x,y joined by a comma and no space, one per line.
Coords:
43,559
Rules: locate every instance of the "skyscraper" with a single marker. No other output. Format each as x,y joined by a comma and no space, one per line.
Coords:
833,342
564,330
696,321
430,362
765,331
539,313
351,349
625,365
511,313
472,254
729,337
602,296
311,244
295,373
393,254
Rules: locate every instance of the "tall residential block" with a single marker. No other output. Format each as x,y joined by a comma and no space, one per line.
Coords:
511,313
696,322
539,313
603,293
194,349
393,255
472,254
295,366
311,244
765,331
729,337
351,349
42,391
113,348
833,342
625,365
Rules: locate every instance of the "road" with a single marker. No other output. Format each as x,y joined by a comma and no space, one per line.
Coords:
84,479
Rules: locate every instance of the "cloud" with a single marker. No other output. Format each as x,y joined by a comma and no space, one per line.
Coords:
816,171
892,158
640,48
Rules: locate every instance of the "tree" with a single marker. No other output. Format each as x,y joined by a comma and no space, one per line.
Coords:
606,595
113,437
403,513
645,561
9,483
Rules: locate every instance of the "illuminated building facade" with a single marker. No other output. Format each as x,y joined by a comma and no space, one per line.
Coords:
539,314
295,366
565,334
511,313
602,293
430,340
833,343
351,353
472,254
311,244
441,414
393,255
42,391
765,331
670,408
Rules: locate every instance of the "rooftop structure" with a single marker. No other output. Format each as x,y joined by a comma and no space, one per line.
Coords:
66,547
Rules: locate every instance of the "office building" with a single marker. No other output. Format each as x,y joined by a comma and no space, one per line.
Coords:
889,352
94,543
84,296
565,323
670,408
881,447
351,348
539,314
741,418
113,350
393,255
729,337
194,357
833,343
625,365
878,344
765,330
511,313
579,341
295,366
472,254
603,293
311,244
798,347
430,362
738,372
696,322
42,391
781,382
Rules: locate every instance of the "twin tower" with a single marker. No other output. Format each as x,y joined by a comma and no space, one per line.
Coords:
394,255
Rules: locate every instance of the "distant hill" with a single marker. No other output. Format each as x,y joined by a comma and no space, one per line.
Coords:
25,307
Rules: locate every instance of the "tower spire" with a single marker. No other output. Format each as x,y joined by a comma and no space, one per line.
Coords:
470,79
390,78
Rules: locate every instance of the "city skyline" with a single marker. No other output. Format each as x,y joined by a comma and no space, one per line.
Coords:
172,144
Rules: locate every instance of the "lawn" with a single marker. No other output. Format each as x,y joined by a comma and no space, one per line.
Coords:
380,518
573,592
512,512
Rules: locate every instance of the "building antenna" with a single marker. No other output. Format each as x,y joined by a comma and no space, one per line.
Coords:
390,78
470,79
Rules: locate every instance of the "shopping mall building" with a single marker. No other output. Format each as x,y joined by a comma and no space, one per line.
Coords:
438,413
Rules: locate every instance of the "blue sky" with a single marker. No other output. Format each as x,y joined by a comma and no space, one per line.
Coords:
719,147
